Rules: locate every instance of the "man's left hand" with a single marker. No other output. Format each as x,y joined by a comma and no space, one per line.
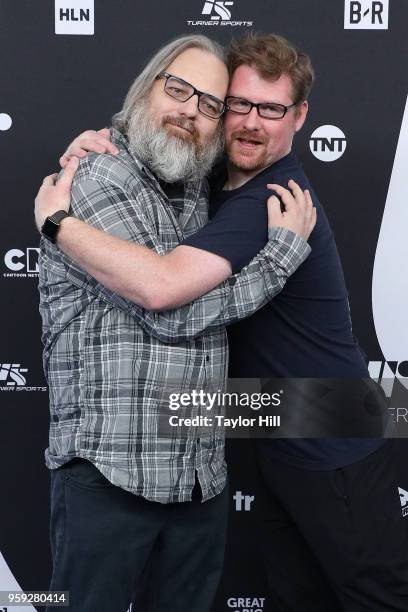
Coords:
55,194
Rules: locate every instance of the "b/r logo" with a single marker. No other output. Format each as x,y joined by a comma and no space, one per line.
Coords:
328,143
219,8
11,374
366,15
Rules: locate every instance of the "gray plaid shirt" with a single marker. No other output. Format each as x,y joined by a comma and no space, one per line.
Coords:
108,361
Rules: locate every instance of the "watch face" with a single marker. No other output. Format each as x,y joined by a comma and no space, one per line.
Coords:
51,225
49,229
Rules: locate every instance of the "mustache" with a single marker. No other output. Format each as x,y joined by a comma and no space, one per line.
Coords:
248,135
184,123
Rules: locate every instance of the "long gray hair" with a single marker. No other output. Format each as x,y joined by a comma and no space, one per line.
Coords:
142,85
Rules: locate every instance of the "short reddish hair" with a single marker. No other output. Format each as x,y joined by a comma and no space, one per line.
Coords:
273,55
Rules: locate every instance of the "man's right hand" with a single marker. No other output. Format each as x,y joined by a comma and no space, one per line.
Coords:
299,215
97,142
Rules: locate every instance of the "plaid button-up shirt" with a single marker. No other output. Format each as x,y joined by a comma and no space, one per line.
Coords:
108,360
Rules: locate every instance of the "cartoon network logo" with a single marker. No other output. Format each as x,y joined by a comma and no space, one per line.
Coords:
366,15
74,17
21,264
12,378
218,13
328,143
246,604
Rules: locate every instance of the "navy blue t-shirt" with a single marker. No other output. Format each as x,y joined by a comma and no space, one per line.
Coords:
305,331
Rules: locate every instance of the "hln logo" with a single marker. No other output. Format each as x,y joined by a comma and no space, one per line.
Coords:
366,15
219,8
328,143
74,17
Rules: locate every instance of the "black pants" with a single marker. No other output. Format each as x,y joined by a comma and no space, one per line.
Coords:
334,540
103,539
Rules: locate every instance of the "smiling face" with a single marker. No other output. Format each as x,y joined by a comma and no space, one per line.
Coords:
172,137
205,72
252,142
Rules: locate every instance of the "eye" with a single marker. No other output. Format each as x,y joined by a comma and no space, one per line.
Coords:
272,109
211,106
238,103
177,90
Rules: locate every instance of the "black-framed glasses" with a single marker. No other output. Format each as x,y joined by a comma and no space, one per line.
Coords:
180,90
267,110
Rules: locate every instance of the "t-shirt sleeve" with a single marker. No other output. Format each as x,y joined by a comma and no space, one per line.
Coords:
237,232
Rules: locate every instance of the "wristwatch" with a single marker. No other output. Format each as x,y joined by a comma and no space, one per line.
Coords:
52,224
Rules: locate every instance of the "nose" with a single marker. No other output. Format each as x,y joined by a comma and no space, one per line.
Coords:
190,107
251,120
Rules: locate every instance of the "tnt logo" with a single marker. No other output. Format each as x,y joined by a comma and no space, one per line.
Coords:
22,263
11,374
74,17
222,13
5,122
366,15
404,501
328,143
242,502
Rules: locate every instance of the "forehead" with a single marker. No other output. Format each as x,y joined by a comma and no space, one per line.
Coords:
246,82
202,69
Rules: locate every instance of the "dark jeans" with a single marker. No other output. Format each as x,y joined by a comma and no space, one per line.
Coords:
334,540
103,540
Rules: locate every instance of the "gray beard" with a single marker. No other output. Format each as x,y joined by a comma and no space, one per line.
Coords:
170,158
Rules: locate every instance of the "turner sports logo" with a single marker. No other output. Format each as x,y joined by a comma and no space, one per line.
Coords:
404,501
74,17
21,264
246,604
13,378
218,13
366,15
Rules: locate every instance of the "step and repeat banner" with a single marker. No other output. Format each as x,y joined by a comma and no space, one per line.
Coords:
65,66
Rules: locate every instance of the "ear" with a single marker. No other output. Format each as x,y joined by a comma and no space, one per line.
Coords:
301,112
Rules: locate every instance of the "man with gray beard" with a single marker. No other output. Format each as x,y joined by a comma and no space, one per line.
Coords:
124,490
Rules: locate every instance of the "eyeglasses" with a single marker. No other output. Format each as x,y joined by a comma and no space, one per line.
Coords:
267,110
180,90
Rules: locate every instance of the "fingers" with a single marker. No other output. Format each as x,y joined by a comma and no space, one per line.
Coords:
110,147
285,195
63,160
313,219
274,211
49,180
65,182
